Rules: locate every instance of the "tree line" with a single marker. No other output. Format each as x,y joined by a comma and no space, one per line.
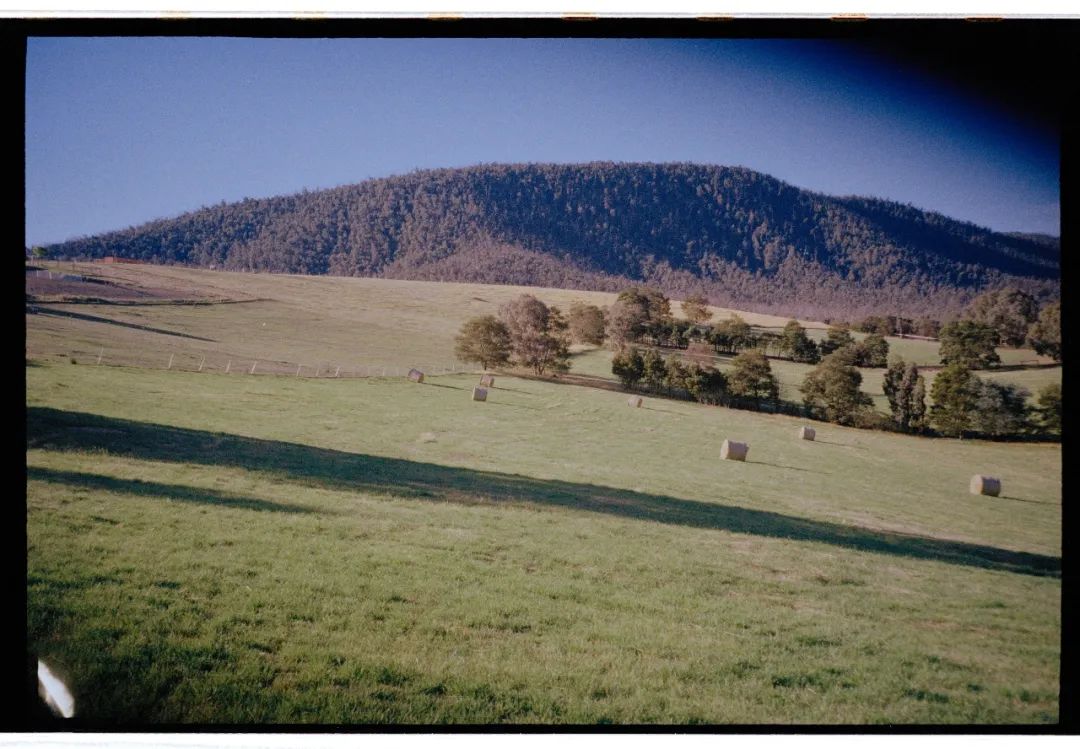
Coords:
639,326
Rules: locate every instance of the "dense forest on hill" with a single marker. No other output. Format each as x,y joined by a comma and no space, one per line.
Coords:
740,237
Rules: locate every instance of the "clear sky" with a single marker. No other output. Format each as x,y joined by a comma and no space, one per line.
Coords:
120,131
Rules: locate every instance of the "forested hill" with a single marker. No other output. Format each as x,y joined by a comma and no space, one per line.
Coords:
743,238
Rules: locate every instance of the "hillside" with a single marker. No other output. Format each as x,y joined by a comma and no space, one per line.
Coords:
274,543
745,239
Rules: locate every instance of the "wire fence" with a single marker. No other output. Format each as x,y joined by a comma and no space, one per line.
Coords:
225,364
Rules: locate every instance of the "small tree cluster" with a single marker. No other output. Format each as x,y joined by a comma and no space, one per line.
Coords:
586,323
539,336
1049,411
906,390
1010,312
637,311
484,340
965,404
795,343
969,344
670,377
751,381
527,332
732,335
837,337
831,390
1044,335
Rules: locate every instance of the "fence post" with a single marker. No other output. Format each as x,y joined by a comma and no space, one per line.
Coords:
298,369
228,366
170,361
338,372
201,363
253,367
99,355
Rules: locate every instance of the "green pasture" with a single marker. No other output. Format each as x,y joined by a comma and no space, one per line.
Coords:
238,549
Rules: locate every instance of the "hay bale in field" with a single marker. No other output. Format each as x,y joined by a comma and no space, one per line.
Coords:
733,450
634,401
807,433
479,394
487,381
416,375
985,485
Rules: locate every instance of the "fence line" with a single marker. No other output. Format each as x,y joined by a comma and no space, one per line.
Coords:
222,364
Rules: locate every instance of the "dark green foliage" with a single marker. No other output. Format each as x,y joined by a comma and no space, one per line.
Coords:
1001,409
732,335
795,343
906,390
1010,312
654,371
1049,408
969,344
628,365
707,385
836,338
736,235
1044,335
875,324
955,394
586,323
831,390
872,351
485,340
39,253
751,379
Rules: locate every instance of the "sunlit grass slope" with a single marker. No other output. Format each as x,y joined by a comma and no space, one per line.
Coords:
241,549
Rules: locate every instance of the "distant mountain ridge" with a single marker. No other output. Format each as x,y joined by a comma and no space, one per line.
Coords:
743,238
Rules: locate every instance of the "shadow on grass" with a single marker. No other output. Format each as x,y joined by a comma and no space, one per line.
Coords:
512,405
448,387
781,465
54,429
662,411
173,492
36,310
839,444
1020,499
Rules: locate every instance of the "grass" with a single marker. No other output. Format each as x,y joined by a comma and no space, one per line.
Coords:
235,549
205,557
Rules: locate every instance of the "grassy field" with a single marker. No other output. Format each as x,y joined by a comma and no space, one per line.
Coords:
236,549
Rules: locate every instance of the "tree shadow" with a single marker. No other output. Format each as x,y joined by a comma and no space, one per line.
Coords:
661,410
49,428
513,405
839,444
781,465
1020,499
174,492
448,387
33,309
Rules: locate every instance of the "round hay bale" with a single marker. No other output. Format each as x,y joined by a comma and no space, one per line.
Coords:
479,394
634,401
416,375
987,485
730,450
807,433
487,381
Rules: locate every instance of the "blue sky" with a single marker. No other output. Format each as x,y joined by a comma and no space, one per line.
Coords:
120,131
